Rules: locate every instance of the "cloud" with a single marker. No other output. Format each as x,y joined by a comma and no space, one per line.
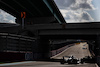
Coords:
74,4
6,18
86,17
75,10
64,12
11,21
64,4
72,16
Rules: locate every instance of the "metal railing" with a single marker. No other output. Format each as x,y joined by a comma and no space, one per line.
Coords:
15,43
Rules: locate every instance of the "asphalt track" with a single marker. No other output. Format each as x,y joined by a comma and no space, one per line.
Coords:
77,50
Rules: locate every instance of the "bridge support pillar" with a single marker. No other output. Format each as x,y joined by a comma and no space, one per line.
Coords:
41,50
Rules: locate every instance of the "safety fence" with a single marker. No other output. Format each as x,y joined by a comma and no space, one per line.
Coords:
55,52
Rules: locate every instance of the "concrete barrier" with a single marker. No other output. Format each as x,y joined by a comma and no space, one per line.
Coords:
55,52
11,56
28,56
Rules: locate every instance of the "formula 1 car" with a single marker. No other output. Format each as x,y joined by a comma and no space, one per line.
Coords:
69,60
87,59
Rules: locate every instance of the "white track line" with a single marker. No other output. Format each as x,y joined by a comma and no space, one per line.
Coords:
15,63
96,65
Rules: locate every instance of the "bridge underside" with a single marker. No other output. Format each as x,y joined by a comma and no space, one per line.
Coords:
36,11
84,37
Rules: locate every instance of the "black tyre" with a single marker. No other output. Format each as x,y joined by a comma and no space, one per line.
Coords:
82,61
62,62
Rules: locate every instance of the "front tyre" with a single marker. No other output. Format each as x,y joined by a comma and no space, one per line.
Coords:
62,62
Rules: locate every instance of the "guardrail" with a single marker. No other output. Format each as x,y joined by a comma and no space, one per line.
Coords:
55,52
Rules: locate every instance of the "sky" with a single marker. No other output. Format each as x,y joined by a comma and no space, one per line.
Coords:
6,17
78,11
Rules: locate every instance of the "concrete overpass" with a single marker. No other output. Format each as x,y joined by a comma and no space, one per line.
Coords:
37,11
78,30
75,30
